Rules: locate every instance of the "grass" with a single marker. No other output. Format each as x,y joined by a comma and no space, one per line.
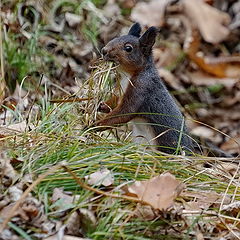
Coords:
58,138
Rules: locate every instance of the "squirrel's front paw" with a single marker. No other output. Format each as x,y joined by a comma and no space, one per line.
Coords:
104,108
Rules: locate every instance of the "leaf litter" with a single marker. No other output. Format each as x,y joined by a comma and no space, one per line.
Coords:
199,62
159,192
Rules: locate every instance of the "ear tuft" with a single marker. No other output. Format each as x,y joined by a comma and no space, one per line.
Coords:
135,30
147,40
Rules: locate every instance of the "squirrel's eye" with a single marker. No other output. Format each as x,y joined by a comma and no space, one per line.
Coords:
128,48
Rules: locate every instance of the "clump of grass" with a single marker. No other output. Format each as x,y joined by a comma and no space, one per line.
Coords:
61,135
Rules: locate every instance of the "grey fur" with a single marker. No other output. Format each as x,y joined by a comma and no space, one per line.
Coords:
148,98
162,112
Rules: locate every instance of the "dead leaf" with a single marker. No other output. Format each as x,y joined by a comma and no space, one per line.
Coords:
202,131
59,194
168,56
87,219
232,145
227,167
18,127
8,174
28,211
6,234
209,20
73,20
82,52
203,200
232,208
4,201
9,102
66,76
170,79
151,13
19,212
32,207
145,212
232,100
236,20
102,177
127,3
73,224
199,78
199,235
111,9
222,67
159,191
79,222
61,200
15,193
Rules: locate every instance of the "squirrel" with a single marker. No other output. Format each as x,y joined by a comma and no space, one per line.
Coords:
145,101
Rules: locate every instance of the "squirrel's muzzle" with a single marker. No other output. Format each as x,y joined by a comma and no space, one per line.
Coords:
106,54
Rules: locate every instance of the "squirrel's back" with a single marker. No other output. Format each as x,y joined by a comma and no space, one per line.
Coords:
159,120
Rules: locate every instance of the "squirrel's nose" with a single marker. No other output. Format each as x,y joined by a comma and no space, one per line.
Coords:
104,51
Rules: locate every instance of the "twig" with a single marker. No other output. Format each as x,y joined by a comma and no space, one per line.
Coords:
2,79
70,100
229,228
230,183
85,186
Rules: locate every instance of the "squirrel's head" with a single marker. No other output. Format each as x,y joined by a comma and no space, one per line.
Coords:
131,51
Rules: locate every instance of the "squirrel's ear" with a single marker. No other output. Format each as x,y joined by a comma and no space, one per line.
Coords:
135,30
148,39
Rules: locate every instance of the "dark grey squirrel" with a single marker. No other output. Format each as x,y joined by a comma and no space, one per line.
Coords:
145,101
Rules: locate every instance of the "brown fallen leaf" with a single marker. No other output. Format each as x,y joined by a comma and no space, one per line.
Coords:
73,20
111,9
199,235
159,191
127,3
8,174
232,145
59,194
87,219
73,224
170,79
18,127
15,193
66,200
209,20
19,212
202,131
102,177
232,208
227,167
222,67
145,212
29,211
199,78
151,13
9,102
203,200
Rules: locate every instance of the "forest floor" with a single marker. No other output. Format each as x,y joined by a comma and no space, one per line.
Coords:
61,179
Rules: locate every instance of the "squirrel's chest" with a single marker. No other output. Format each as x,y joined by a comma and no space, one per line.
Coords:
124,81
142,132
